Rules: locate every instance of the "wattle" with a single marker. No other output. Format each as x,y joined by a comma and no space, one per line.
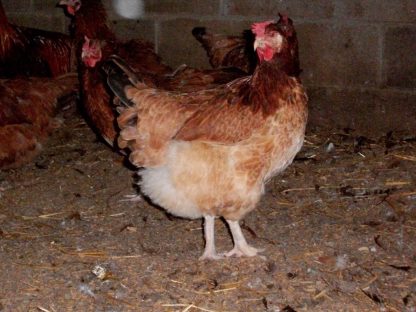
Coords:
71,10
91,62
265,54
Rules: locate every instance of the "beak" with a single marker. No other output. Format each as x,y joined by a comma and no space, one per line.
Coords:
63,2
258,43
83,54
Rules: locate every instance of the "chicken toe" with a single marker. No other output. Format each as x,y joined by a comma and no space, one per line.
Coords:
133,198
241,248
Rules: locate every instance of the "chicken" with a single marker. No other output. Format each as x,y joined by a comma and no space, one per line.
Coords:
209,153
33,52
90,21
236,51
228,51
27,108
186,79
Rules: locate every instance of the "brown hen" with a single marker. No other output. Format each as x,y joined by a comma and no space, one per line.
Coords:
90,21
228,51
27,110
209,153
33,52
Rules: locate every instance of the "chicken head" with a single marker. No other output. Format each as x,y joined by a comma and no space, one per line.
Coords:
72,6
268,40
91,52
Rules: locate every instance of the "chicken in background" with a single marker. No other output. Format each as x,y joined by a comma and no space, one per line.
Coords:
228,51
185,79
90,21
33,52
209,153
27,110
237,51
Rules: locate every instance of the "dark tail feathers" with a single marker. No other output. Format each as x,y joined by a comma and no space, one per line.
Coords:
119,76
199,32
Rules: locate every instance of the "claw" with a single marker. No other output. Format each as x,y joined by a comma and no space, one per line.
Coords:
133,198
248,251
211,256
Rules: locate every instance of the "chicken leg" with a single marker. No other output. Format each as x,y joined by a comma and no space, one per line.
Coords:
210,253
241,248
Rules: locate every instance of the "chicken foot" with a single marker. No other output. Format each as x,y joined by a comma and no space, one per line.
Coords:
241,248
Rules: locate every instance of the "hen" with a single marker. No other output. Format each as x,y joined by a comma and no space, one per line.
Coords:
186,79
228,51
33,52
27,108
210,153
90,20
236,51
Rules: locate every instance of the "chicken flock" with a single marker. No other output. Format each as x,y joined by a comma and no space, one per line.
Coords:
205,142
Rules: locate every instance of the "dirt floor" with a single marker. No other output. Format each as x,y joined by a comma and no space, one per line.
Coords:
338,228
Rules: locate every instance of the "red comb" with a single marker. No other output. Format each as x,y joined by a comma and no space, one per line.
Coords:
259,28
283,18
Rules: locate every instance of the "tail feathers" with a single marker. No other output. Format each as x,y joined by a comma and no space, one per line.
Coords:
118,83
134,77
199,33
119,77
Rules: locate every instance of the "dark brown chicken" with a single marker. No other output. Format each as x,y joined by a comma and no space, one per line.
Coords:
209,153
237,51
90,21
27,110
33,52
185,79
228,51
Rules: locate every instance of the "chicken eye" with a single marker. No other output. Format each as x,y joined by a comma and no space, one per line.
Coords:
77,5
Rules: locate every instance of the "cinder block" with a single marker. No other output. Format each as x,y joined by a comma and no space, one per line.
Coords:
399,57
228,27
16,6
178,46
39,20
378,10
294,8
48,6
339,55
133,29
369,111
197,7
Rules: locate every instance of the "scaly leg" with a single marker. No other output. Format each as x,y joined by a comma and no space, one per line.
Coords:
241,248
209,252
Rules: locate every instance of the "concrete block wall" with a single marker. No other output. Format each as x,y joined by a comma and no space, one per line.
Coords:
358,56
